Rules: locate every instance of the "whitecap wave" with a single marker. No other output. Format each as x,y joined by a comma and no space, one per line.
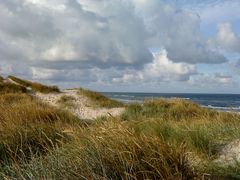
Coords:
223,108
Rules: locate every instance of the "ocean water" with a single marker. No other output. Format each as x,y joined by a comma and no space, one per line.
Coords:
224,102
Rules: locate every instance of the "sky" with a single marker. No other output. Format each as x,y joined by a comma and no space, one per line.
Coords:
167,46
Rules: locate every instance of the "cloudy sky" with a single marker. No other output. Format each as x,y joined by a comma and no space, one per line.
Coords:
123,45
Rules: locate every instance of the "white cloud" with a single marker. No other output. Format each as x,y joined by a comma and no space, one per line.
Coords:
161,69
212,80
60,51
178,31
165,69
101,40
73,75
101,33
45,31
226,39
51,5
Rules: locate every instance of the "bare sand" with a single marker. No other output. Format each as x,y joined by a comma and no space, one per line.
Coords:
229,155
82,105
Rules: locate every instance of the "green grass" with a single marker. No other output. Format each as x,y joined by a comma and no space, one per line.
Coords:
66,101
29,128
161,139
221,171
35,86
111,150
99,100
177,121
176,110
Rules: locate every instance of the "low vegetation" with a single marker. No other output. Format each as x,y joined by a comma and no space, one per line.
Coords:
67,101
11,88
179,121
1,79
111,150
99,100
35,86
161,139
29,128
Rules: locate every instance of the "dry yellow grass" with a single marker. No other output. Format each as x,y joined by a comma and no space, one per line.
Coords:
66,101
1,79
99,100
28,127
112,150
178,120
149,141
35,86
11,88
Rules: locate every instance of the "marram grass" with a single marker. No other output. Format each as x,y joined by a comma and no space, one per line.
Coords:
35,86
99,100
112,152
162,139
67,101
11,88
1,79
29,127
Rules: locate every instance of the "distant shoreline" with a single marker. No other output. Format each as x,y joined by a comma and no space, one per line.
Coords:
220,102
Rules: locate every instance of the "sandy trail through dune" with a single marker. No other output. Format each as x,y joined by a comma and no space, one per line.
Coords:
82,105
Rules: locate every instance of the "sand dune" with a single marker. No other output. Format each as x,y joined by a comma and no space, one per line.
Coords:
82,105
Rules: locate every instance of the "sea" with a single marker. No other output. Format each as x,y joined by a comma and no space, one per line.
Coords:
223,102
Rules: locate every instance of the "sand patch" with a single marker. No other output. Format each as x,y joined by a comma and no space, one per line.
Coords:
82,105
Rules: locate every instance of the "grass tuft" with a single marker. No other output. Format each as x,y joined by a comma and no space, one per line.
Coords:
29,128
176,121
100,100
11,88
67,101
35,86
162,139
1,79
175,109
111,150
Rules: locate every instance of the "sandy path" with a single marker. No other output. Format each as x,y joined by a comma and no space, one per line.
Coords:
82,105
229,154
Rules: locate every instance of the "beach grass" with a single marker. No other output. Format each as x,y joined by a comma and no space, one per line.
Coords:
67,101
158,139
30,128
11,88
178,120
99,100
35,86
1,79
111,150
